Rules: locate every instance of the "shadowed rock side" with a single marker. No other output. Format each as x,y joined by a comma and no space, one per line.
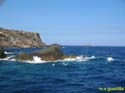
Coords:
50,53
16,38
2,54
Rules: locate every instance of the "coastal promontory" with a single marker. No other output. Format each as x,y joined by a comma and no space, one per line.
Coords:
17,38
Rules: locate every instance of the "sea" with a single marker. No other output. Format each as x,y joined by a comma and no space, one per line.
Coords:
103,71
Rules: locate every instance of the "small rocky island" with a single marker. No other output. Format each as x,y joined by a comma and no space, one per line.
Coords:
21,39
50,53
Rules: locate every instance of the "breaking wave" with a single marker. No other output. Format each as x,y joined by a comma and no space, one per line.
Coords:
8,52
80,58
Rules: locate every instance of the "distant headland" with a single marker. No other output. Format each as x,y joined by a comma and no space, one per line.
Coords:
21,39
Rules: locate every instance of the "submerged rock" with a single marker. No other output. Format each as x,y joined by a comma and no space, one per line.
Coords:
2,53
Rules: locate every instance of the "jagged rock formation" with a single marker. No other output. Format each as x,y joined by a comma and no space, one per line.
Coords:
16,38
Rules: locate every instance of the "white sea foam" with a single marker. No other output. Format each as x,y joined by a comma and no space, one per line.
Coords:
8,52
110,59
63,47
68,59
37,59
7,58
53,65
77,59
89,58
93,57
65,63
81,58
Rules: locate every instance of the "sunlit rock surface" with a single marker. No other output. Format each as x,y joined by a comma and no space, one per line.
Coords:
17,38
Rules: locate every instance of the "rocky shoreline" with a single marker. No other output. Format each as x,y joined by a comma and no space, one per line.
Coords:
21,39
50,53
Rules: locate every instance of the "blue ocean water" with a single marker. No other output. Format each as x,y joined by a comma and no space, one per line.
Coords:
74,77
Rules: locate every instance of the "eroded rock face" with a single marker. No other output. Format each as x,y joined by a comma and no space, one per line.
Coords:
16,38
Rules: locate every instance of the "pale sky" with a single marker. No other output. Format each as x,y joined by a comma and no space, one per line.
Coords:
68,22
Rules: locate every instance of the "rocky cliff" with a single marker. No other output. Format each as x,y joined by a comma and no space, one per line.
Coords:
16,38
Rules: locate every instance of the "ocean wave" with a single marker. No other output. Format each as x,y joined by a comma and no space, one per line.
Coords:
8,52
80,58
110,59
7,58
77,59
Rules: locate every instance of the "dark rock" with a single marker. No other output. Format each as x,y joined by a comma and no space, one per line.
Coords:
24,56
16,38
52,52
69,56
2,54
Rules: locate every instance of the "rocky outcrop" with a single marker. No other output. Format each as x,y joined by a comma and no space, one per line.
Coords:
21,39
16,38
24,56
2,54
52,52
